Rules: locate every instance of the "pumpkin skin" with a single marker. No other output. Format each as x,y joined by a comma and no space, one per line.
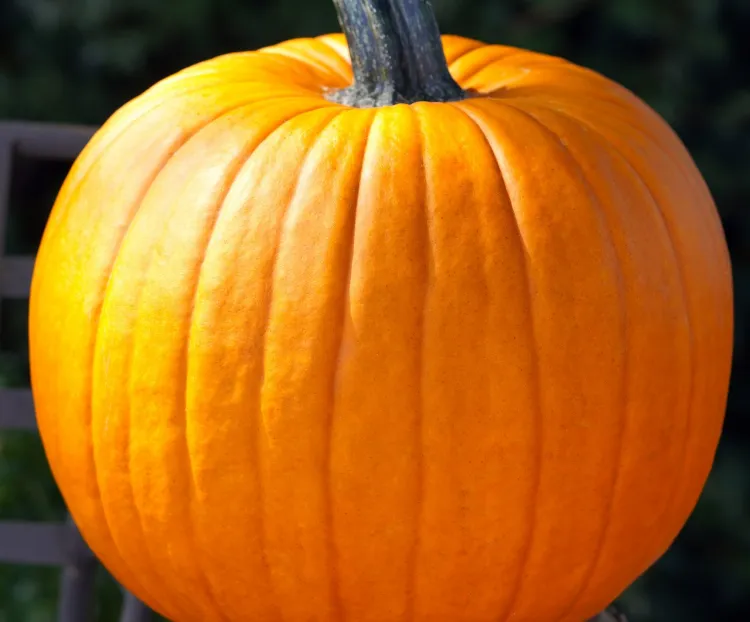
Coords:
439,362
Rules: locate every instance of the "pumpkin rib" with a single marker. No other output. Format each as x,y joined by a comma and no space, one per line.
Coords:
615,105
685,164
192,81
338,45
539,457
476,115
330,537
419,493
169,153
690,175
375,436
672,495
487,55
618,108
670,507
86,161
502,86
323,61
199,423
637,181
234,169
546,83
50,441
627,160
622,104
519,60
337,604
487,250
257,90
127,427
231,69
335,582
89,156
323,73
230,177
472,245
272,275
592,89
103,141
273,62
263,355
624,419
455,47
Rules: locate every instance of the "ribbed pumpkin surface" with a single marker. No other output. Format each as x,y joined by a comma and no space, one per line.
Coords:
460,362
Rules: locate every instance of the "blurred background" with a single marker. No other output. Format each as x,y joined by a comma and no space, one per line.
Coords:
76,61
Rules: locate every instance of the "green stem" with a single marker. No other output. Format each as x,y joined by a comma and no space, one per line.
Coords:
397,55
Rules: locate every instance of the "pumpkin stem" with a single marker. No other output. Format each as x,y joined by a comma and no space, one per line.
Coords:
397,54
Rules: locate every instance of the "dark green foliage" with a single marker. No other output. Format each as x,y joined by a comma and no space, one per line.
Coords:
77,61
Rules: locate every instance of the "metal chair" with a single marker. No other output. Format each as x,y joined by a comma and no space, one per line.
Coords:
46,544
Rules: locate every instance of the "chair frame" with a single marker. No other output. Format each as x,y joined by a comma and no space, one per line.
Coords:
37,543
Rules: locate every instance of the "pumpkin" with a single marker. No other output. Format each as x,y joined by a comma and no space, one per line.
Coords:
450,343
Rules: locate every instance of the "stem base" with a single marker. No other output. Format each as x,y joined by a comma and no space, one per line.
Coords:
397,54
358,96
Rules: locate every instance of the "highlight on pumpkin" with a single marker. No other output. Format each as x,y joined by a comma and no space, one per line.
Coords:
399,353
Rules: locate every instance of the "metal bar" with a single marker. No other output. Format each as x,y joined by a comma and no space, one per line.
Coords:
17,410
6,170
41,544
46,140
6,166
15,276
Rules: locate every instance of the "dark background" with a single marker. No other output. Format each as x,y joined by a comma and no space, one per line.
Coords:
79,60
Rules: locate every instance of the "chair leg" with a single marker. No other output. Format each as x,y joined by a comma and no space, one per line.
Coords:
610,615
77,593
133,610
77,582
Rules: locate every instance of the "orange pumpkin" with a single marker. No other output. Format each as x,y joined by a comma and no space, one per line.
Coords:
437,347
